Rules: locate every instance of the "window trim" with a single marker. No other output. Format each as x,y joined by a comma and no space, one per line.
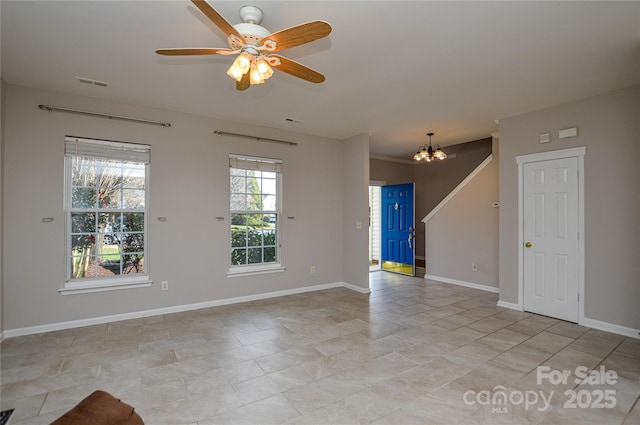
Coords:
116,282
260,268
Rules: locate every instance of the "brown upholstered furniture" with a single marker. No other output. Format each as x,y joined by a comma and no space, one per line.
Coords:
100,408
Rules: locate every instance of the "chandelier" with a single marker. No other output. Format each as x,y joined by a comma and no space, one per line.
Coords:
428,154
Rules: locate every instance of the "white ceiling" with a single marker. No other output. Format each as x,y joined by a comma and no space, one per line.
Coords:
394,69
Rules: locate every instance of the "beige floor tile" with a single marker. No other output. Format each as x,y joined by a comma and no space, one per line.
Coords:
521,357
529,326
452,322
625,365
570,359
490,324
630,346
274,410
435,374
382,368
548,341
473,354
594,343
381,399
405,354
633,417
334,413
504,339
571,330
430,410
310,397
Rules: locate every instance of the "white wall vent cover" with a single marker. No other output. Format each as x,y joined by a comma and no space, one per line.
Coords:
92,82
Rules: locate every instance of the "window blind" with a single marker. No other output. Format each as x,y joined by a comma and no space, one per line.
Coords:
94,148
257,164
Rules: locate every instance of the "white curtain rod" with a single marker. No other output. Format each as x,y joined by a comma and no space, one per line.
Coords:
257,139
97,114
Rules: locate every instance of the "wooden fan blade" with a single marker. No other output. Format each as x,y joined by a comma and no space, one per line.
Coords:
300,34
191,51
217,19
244,83
298,70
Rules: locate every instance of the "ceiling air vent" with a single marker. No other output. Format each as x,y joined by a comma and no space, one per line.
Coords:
92,82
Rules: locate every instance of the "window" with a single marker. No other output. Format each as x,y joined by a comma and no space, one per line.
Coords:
106,206
255,214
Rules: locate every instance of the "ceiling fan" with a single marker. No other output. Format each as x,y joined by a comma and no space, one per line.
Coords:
255,46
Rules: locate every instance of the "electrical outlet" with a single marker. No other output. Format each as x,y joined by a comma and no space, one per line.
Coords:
474,267
312,270
165,285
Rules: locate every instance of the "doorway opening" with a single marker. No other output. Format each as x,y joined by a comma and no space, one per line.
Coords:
374,226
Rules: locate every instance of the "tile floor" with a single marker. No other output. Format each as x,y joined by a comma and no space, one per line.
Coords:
412,352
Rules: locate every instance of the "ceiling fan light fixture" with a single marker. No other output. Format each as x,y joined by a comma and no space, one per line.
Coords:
255,76
240,66
256,46
263,68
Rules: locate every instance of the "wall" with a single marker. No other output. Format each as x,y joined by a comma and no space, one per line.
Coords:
465,230
609,127
355,236
435,180
390,172
3,98
188,185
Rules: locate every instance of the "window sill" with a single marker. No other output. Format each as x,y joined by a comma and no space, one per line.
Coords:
102,286
253,270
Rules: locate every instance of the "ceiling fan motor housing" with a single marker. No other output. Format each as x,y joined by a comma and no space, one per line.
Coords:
251,14
252,34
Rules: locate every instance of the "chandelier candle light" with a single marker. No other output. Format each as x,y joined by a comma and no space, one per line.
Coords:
428,154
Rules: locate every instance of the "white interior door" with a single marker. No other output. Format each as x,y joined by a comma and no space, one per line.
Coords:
551,238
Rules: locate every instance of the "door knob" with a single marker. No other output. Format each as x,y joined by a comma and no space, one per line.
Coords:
528,244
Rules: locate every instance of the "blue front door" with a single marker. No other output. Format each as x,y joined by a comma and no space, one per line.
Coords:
398,229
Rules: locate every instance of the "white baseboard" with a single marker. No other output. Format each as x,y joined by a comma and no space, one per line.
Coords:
462,283
511,306
9,333
355,288
590,323
610,327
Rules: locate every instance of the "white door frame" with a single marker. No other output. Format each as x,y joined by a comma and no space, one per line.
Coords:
378,183
578,153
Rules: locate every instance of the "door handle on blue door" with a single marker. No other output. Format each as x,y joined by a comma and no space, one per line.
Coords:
411,236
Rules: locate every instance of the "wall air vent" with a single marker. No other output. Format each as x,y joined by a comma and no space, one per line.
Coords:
92,82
